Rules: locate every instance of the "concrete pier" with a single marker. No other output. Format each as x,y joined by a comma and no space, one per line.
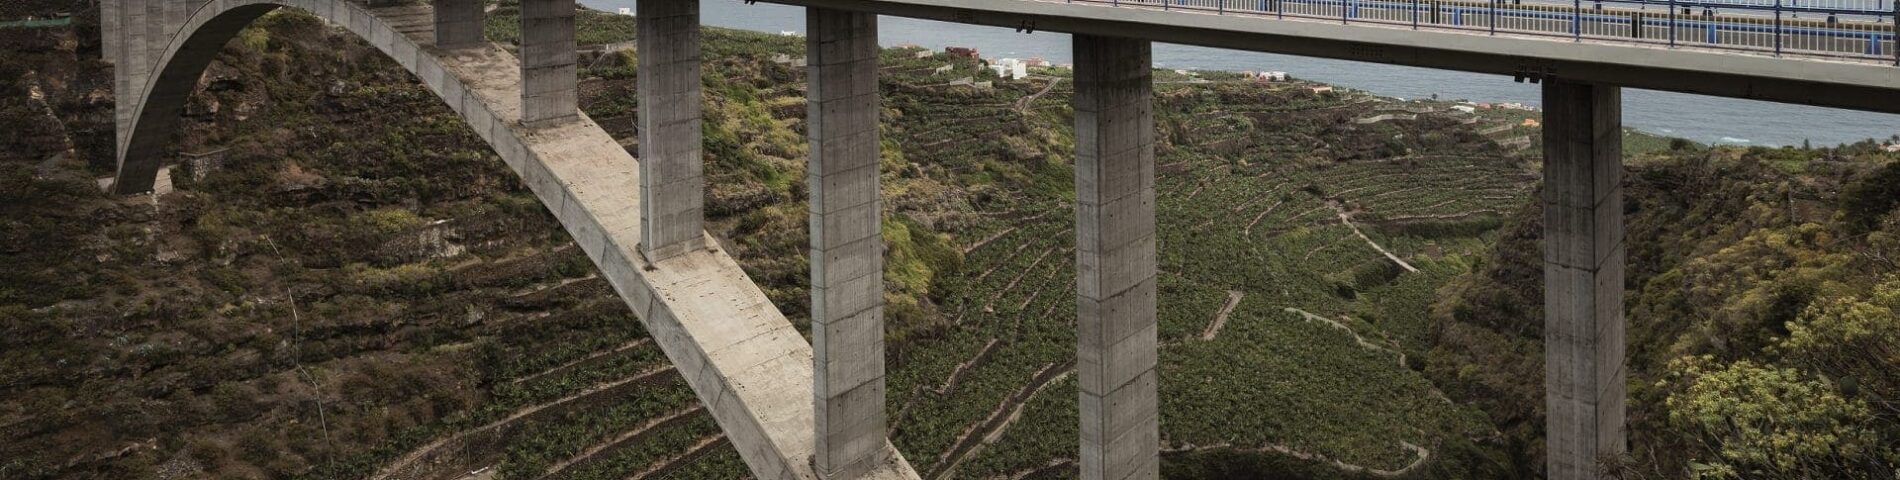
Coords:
1583,277
109,31
458,23
672,167
1115,258
549,92
847,260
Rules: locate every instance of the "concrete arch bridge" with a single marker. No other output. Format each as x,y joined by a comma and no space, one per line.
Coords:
816,410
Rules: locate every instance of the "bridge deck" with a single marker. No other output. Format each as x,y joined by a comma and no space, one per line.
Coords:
1860,84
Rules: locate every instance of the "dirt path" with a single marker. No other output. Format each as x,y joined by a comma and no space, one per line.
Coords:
1309,253
700,447
1442,216
1421,452
1012,254
1355,335
624,439
1346,218
1022,105
949,384
1220,319
590,357
1052,465
989,306
410,458
1019,223
1261,216
991,428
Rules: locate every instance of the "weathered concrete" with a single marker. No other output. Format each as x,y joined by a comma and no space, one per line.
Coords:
672,180
847,260
549,88
745,361
110,34
458,23
1115,258
1583,277
1871,86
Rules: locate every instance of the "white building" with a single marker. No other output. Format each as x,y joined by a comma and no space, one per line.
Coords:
1010,68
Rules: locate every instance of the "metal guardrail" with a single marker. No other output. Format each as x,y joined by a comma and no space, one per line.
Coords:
1848,29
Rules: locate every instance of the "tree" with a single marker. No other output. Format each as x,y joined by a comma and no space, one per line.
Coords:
1761,421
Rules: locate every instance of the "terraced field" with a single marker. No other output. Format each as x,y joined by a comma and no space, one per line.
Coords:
1257,230
1300,249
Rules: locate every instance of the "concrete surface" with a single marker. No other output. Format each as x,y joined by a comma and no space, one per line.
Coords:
1115,258
549,85
458,23
847,259
1583,277
672,178
743,359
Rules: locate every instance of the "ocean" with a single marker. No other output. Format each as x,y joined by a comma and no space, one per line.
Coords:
1700,118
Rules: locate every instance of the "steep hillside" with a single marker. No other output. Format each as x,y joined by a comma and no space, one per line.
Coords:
345,283
1760,309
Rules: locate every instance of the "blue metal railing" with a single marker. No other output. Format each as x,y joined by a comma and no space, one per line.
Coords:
1857,29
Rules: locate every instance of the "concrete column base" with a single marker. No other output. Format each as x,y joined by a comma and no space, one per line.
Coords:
549,87
672,163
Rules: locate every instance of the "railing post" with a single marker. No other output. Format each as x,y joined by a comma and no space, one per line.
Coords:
672,166
1778,28
1494,16
1576,20
1415,14
1672,23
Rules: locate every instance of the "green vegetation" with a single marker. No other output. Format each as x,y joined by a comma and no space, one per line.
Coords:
1760,311
346,281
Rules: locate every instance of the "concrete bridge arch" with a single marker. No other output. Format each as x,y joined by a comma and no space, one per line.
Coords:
748,365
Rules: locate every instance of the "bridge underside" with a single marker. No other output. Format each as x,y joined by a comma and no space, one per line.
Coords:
749,366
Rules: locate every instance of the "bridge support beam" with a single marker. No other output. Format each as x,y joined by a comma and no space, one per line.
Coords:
549,92
458,23
672,178
847,259
1115,258
1583,278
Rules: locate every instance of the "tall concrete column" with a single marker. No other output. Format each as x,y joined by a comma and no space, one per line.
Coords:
1115,258
458,23
1583,277
847,261
109,39
672,181
548,83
